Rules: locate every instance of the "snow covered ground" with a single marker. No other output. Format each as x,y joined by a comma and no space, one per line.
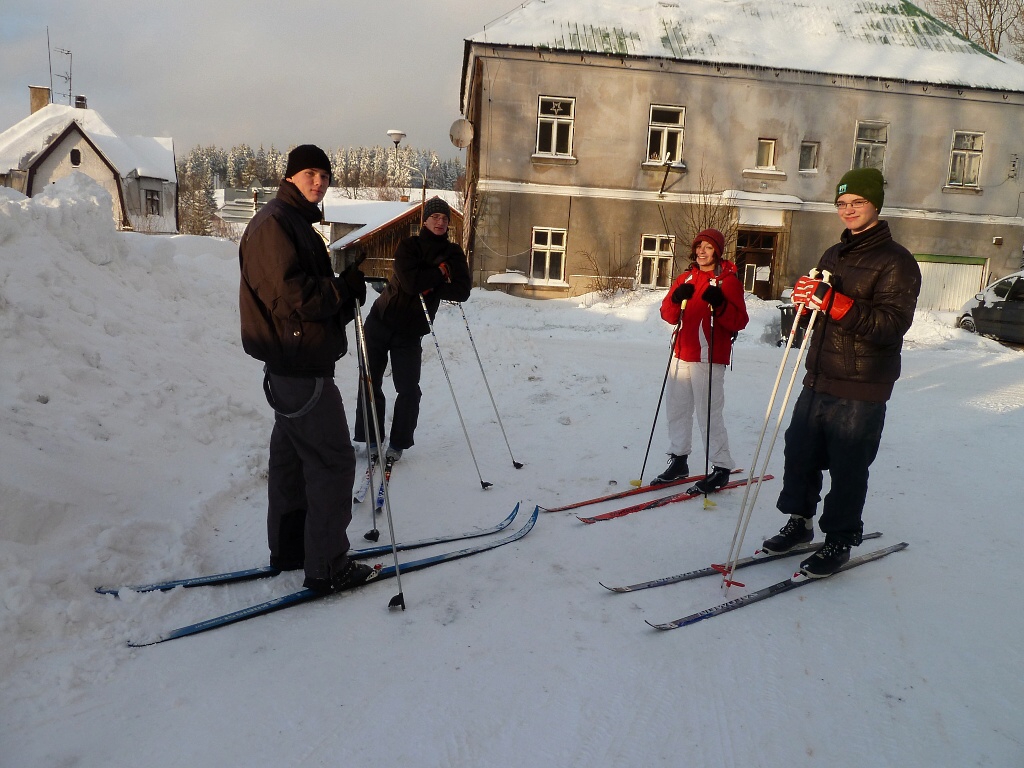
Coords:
133,435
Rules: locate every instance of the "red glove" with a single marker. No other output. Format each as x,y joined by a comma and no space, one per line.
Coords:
446,271
819,295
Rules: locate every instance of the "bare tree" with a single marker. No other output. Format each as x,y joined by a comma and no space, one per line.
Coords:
708,211
992,24
610,274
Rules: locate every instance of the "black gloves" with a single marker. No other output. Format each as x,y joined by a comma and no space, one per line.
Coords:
682,293
713,295
354,284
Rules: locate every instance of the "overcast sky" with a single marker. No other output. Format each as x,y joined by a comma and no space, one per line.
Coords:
339,73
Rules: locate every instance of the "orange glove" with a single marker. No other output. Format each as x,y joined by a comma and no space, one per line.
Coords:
446,271
819,295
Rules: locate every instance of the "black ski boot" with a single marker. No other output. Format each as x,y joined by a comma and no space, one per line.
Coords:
677,470
352,575
797,530
719,476
827,560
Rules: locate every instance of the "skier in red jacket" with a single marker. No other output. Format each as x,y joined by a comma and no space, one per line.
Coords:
706,305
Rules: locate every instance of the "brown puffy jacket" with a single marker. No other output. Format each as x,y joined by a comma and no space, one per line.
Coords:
858,357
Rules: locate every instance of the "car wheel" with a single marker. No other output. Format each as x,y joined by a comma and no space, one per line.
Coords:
967,323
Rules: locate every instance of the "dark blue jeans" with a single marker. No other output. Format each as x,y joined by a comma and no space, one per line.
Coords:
840,436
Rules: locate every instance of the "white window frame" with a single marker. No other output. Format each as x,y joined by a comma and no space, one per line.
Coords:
663,134
963,160
868,149
765,154
151,202
656,257
552,121
814,149
545,244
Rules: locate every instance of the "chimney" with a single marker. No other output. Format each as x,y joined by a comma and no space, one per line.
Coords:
80,102
38,97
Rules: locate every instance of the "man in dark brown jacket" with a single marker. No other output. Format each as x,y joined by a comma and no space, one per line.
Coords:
294,310
852,364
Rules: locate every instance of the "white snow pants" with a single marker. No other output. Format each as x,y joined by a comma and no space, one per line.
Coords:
687,389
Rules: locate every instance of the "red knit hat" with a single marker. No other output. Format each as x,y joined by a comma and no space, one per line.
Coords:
713,236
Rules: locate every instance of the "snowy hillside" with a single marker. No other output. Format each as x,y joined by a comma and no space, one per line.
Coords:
133,435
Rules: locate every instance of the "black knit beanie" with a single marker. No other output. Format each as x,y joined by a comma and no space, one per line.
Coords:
307,156
436,205
866,182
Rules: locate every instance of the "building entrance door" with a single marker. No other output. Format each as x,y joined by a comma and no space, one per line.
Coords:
755,260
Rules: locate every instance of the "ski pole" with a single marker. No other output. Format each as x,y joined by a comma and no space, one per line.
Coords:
399,599
373,534
747,509
664,380
708,503
516,464
426,313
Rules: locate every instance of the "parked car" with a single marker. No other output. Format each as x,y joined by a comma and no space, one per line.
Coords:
998,311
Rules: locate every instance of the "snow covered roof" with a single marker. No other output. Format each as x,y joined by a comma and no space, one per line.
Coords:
889,39
22,142
371,215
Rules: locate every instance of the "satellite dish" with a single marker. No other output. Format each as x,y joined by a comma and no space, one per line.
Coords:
461,133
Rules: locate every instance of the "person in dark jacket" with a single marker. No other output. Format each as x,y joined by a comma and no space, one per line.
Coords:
293,315
852,365
706,305
427,265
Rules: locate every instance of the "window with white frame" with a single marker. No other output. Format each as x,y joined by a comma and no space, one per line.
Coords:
665,134
152,202
808,156
766,153
654,268
869,146
965,159
547,258
555,117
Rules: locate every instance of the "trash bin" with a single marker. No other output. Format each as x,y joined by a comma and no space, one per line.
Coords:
788,316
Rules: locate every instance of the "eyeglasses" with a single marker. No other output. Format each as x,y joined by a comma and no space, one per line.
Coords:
856,205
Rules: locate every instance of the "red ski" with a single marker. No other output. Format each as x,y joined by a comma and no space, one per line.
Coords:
684,496
630,492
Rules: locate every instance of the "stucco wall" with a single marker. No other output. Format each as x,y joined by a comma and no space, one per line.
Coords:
57,165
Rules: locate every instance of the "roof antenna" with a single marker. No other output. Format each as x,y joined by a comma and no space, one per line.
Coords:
65,77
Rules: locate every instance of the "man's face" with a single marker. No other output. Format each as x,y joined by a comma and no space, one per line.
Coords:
856,213
312,183
436,223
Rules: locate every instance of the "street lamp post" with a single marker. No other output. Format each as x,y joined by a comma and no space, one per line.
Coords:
396,137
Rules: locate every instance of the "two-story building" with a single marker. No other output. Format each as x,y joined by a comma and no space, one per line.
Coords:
56,140
606,134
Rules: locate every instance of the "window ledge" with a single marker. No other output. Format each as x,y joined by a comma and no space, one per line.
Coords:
808,171
551,284
764,173
655,165
947,190
543,159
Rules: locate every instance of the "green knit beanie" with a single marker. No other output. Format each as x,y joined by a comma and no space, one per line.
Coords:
866,182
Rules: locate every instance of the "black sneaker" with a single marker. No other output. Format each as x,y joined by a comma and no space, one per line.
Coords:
797,530
827,560
677,470
719,476
352,575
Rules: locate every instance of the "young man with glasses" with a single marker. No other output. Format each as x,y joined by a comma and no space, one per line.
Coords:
853,361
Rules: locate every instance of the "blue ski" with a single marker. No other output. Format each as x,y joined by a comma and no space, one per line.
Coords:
306,595
262,572
798,580
360,493
713,570
378,504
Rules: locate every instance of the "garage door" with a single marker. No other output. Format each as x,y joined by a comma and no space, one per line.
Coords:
948,281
